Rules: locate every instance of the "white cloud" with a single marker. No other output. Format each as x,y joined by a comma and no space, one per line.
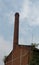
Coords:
5,48
31,12
25,9
33,18
11,17
5,45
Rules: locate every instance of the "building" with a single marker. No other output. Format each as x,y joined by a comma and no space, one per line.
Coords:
21,54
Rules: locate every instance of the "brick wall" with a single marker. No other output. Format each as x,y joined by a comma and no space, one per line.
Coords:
19,56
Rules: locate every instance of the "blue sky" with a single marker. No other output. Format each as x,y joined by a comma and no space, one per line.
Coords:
28,26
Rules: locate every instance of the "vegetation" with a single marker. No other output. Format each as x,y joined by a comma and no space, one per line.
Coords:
35,57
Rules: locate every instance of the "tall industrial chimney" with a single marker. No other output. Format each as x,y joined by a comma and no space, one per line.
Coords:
16,29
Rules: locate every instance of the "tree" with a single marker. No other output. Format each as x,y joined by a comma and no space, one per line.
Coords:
35,56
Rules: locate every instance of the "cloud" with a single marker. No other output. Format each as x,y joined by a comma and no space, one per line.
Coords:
33,18
4,44
25,33
5,48
25,9
11,17
30,10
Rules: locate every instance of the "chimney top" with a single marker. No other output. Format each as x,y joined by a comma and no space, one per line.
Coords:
16,13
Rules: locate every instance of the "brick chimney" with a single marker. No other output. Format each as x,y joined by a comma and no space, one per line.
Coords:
16,29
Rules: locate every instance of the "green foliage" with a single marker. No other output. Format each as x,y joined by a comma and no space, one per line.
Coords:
35,57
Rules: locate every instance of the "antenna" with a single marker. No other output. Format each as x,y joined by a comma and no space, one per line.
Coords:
32,37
